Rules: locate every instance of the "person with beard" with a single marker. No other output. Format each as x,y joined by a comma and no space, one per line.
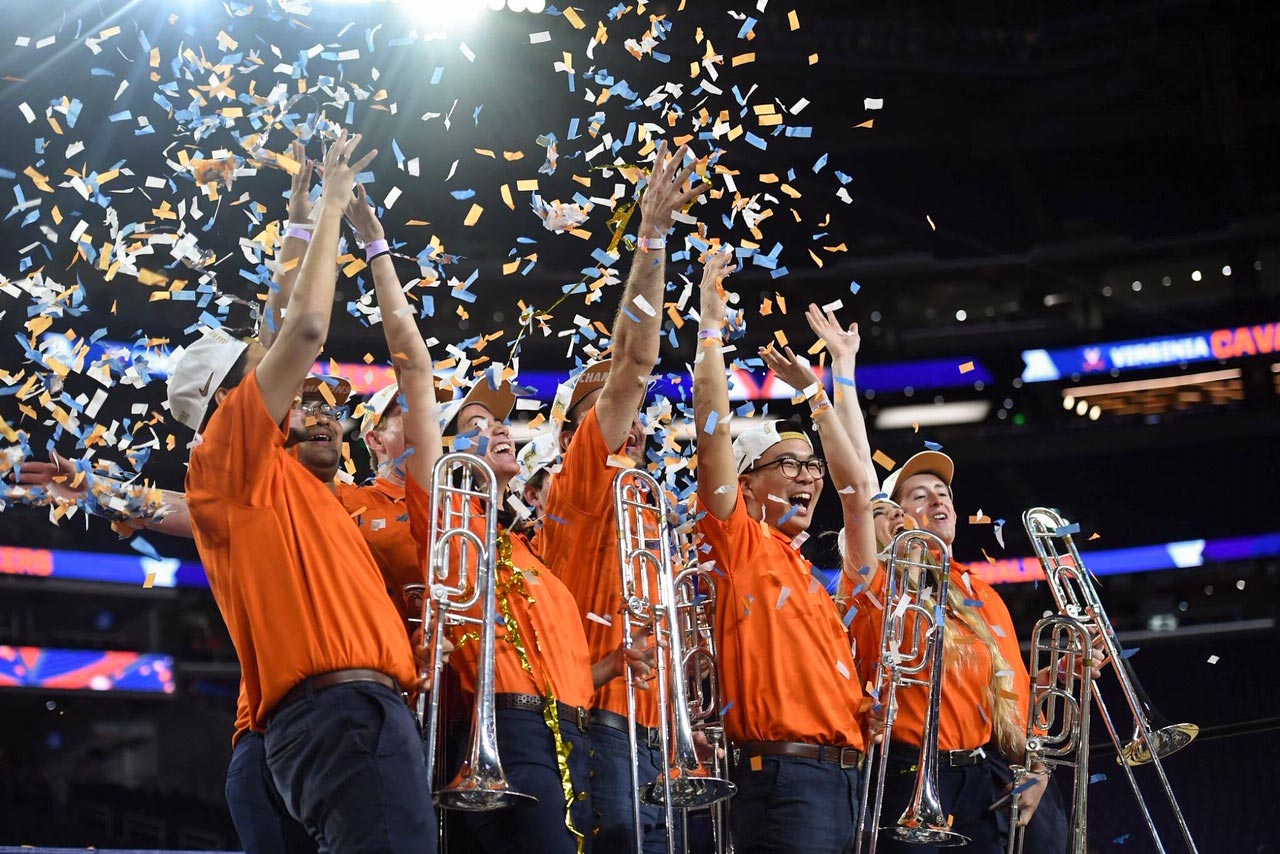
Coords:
985,688
323,655
793,703
597,415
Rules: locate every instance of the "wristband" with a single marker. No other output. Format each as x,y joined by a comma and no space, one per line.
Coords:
303,234
374,248
651,244
370,259
819,404
704,334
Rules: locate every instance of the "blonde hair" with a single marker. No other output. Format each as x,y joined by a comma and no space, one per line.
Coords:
1006,721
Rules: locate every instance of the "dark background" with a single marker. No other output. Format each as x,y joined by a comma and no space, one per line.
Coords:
1064,151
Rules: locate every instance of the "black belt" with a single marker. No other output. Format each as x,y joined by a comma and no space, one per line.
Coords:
575,715
332,679
845,757
952,758
647,736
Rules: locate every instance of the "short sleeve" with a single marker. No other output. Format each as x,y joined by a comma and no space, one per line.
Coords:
732,540
238,448
585,477
418,503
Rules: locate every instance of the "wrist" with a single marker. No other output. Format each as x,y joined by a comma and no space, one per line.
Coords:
301,232
648,230
375,248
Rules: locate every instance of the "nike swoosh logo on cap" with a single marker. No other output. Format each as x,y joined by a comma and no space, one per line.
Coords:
204,390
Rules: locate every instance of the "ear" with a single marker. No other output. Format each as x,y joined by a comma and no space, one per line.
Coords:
745,483
566,436
375,444
530,497
220,394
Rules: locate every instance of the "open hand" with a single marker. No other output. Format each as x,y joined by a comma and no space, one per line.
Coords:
717,264
839,341
363,218
300,187
339,173
789,367
665,193
58,478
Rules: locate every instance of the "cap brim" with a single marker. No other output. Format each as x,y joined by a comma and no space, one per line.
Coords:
340,387
925,462
592,377
499,401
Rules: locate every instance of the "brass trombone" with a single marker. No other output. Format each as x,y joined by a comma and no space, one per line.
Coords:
470,560
917,586
1058,720
645,542
1075,595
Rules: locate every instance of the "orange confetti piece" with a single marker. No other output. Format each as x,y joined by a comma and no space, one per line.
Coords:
883,460
966,367
473,215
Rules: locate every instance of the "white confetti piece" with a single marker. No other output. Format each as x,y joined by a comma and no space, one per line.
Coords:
872,103
1213,659
596,618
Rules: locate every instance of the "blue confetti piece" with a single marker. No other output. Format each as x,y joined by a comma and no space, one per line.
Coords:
1121,839
778,273
973,603
138,544
821,162
556,519
712,419
932,446
849,615
786,516
1129,653
1073,528
462,194
854,287
759,143
1097,778
727,707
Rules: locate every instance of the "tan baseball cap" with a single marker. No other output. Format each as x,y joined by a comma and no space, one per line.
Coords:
499,401
933,462
592,376
198,372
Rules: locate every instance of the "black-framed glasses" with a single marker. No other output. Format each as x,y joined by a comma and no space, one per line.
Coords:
312,408
790,467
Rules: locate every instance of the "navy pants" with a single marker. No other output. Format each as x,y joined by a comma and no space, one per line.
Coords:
528,751
611,795
1046,833
261,820
965,792
794,805
349,763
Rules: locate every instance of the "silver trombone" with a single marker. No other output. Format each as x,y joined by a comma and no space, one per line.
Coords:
1058,720
1075,595
462,571
915,585
644,553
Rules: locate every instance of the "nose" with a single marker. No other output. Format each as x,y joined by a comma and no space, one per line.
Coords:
500,431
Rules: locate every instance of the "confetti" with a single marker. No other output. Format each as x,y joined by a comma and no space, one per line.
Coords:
883,460
966,367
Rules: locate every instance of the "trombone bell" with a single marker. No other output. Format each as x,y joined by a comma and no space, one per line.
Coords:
1169,739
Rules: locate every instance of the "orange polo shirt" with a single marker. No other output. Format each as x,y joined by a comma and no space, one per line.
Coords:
379,511
544,613
295,583
964,712
786,672
579,541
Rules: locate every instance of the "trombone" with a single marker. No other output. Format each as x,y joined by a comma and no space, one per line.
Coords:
1075,595
915,586
457,552
649,599
1058,720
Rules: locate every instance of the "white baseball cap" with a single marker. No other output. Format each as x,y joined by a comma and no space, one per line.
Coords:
198,372
536,455
752,443
932,462
375,407
592,376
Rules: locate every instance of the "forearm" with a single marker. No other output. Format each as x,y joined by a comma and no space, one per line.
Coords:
310,301
290,260
716,474
604,671
849,412
638,324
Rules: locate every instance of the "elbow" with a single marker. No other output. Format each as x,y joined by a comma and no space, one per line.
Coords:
307,328
638,352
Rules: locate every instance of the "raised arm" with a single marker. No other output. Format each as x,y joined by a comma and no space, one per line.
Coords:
851,478
294,247
638,326
409,353
306,322
843,346
717,477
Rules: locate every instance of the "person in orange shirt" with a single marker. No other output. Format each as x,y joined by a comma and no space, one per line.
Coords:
323,654
596,413
793,702
985,686
544,677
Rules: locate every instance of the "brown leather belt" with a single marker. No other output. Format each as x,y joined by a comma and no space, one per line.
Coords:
647,736
575,715
845,757
951,758
332,679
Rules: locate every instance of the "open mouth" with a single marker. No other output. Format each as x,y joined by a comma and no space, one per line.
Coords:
800,500
319,436
940,517
503,447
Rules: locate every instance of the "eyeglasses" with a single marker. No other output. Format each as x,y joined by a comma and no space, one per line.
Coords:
790,467
312,408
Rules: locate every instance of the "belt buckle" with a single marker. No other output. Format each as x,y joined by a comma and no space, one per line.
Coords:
583,718
846,765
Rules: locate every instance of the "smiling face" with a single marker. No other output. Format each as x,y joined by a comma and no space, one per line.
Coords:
477,423
765,482
316,439
927,498
888,520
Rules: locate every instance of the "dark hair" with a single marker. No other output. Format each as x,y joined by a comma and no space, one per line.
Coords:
237,370
538,479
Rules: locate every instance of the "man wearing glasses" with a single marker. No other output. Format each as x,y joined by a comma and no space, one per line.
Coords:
793,704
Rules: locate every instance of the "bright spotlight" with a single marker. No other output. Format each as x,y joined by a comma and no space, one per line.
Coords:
444,15
536,7
1195,275
518,5
1068,403
1095,412
1226,270
1082,407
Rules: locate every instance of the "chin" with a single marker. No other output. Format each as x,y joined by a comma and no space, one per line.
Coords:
796,525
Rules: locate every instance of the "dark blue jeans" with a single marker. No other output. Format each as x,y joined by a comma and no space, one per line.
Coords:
349,763
611,795
1046,833
528,752
965,793
794,805
261,820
